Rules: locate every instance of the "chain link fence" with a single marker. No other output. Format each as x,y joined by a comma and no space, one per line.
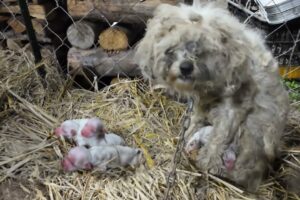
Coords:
93,41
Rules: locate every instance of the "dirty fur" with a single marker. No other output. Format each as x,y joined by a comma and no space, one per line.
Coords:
232,77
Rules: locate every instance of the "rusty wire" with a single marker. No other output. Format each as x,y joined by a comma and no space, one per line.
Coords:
171,178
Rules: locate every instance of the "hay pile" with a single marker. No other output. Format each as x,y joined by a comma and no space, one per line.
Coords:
30,154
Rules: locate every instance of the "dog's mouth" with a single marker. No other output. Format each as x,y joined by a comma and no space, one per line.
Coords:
180,79
181,82
185,78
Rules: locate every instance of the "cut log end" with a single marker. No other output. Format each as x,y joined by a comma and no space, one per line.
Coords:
17,25
114,38
81,35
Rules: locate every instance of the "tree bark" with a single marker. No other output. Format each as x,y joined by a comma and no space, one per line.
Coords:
103,63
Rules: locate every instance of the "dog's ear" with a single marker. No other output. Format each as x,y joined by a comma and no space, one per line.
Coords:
233,45
143,57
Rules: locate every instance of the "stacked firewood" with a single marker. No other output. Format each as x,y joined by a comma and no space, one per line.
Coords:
13,29
102,34
105,39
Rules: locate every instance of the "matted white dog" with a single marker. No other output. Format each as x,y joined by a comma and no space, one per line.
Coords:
205,53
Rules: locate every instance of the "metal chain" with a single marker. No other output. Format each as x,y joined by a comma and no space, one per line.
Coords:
185,125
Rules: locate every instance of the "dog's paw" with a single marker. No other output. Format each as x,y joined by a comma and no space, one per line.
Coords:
210,160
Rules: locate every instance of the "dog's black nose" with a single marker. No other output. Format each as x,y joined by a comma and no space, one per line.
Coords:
186,68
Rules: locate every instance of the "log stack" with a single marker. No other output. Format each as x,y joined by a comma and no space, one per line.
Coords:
129,11
14,31
111,53
107,52
101,36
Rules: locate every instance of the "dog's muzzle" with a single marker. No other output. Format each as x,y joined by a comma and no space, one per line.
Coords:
186,68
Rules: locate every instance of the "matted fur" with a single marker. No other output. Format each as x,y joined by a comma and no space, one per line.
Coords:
234,81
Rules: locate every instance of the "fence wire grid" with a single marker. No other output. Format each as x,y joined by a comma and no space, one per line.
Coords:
51,21
96,64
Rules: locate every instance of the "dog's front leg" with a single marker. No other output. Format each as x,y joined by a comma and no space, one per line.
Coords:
226,125
197,121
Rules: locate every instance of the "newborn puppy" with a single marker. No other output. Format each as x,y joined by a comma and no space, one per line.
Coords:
69,128
198,139
93,127
83,131
246,162
108,139
77,158
101,157
201,137
104,157
229,158
111,139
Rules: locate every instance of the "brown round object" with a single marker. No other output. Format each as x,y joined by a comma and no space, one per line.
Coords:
114,38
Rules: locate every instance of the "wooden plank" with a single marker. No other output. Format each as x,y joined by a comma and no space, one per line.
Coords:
292,72
4,18
132,11
17,36
103,63
16,23
36,11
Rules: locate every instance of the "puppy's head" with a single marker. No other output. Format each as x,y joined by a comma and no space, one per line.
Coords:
191,49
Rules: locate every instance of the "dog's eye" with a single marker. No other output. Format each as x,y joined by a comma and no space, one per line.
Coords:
190,46
169,52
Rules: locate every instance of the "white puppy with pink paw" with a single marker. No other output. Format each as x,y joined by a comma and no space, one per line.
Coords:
89,132
102,158
198,139
201,137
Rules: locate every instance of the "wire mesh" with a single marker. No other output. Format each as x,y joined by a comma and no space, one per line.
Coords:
96,63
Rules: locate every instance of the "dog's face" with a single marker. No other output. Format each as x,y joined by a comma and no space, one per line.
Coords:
185,50
188,64
185,58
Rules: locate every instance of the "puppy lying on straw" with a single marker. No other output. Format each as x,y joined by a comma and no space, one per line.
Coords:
95,147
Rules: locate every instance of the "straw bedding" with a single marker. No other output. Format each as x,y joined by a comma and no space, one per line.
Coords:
30,153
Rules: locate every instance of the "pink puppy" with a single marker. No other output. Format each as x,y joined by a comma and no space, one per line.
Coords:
93,127
83,131
201,137
70,128
77,158
102,158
